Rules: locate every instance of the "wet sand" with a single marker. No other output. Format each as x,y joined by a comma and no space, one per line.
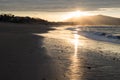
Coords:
86,64
27,56
81,58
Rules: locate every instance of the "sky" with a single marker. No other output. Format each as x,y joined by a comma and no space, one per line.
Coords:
57,9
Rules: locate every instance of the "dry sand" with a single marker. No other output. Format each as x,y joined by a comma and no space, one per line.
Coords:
22,56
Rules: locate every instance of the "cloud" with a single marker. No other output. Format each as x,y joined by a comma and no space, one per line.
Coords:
57,5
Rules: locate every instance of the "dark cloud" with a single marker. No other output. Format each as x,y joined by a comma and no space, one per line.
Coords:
57,5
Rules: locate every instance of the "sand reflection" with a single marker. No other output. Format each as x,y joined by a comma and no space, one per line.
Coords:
74,73
76,42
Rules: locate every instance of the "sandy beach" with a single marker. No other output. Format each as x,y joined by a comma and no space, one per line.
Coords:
59,39
47,56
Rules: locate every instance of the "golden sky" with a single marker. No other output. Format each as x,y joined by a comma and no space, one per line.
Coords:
58,10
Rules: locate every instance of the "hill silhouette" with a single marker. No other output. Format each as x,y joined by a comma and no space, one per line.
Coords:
17,19
95,20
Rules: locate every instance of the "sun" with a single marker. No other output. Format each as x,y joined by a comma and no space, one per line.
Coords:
75,14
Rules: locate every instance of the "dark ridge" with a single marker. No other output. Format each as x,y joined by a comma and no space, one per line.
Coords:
16,19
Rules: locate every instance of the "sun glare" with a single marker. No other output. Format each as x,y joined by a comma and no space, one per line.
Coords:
76,14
